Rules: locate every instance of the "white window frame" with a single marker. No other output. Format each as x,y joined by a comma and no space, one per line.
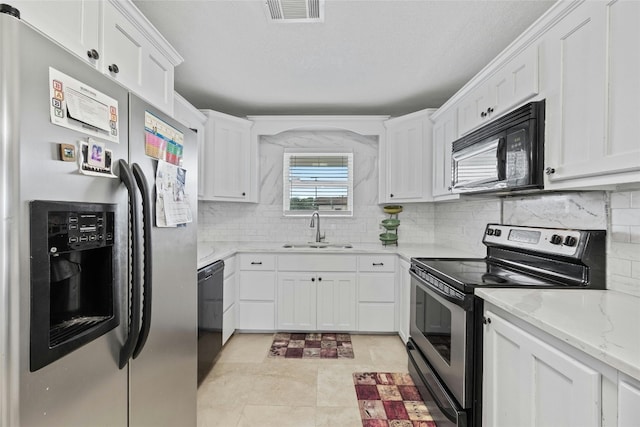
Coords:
287,183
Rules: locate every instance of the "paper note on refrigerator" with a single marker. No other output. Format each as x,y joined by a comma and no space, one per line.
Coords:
78,106
172,205
161,140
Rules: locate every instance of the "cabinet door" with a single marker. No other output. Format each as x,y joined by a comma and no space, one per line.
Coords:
74,23
514,83
229,158
472,109
408,157
123,48
157,79
297,301
628,402
527,382
444,133
593,107
336,295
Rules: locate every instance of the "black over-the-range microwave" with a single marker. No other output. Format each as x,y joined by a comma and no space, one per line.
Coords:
504,156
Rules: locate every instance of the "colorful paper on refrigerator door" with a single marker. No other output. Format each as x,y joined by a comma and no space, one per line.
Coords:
162,141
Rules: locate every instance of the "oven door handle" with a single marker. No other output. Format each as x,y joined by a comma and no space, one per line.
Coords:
440,395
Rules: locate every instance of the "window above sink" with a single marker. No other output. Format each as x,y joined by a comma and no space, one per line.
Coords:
317,181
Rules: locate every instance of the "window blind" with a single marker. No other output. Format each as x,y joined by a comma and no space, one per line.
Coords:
318,181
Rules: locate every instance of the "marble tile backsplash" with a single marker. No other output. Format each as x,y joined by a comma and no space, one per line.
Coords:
265,222
461,224
458,224
623,253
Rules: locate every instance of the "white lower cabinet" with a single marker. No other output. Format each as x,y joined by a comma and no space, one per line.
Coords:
321,301
377,293
229,299
628,402
532,379
316,292
257,292
296,302
336,302
404,307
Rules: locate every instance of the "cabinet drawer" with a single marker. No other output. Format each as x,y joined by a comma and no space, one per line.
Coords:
313,262
257,286
386,263
257,262
376,287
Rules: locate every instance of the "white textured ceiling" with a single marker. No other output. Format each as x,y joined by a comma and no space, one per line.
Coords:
368,57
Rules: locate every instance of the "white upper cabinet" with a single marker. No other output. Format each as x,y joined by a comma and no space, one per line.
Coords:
114,37
444,133
73,24
407,158
230,158
593,107
191,117
513,83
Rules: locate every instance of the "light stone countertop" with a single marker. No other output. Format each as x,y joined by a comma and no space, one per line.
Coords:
604,324
209,252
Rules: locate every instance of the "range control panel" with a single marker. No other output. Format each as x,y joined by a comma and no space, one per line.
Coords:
567,242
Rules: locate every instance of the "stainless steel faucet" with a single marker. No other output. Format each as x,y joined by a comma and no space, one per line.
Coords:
319,238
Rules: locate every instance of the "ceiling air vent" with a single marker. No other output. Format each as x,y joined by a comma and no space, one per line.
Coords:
295,11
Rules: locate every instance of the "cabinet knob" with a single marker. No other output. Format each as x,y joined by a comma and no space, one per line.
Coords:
319,279
486,320
449,188
313,279
483,114
93,54
489,110
550,171
390,195
244,194
114,68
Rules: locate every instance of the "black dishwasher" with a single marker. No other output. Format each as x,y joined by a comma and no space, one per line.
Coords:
210,284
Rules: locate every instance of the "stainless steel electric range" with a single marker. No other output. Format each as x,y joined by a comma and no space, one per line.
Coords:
445,345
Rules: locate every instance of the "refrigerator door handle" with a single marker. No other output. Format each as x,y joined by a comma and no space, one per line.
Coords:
136,260
141,180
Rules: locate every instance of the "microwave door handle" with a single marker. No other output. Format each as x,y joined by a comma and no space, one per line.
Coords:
133,309
502,159
141,180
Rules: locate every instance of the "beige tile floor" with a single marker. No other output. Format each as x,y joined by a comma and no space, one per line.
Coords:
248,388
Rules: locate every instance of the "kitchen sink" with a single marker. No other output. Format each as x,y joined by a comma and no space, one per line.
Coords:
317,245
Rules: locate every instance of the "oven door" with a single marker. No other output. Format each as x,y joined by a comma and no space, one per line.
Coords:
441,327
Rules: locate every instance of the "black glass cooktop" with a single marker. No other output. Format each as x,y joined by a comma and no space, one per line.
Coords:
466,274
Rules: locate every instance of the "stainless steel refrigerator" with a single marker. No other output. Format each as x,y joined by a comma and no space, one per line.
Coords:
115,374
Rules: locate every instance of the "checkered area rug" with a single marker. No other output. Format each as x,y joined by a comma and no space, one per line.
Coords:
311,346
390,400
